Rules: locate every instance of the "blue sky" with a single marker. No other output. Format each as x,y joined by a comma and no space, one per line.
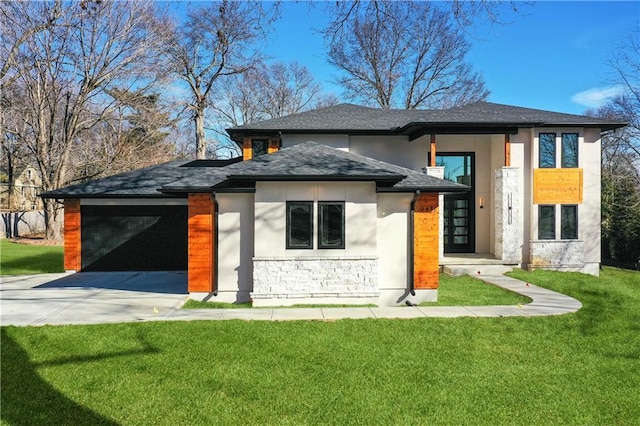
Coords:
551,56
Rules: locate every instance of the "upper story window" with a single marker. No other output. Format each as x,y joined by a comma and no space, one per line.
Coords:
569,150
547,150
259,147
548,144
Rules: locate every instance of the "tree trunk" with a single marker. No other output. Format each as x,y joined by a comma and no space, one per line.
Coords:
201,142
53,219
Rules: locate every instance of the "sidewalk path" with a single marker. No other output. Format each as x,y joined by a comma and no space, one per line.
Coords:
55,300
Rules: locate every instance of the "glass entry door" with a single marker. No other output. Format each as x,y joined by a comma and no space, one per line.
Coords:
459,209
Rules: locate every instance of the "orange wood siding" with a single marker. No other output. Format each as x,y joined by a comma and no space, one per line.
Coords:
274,146
247,149
507,150
432,163
72,241
426,221
557,186
201,236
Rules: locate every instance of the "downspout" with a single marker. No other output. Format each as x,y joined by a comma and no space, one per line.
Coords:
214,284
412,246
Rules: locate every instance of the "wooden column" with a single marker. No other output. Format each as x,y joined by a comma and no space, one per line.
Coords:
200,244
72,235
426,259
432,163
247,149
507,150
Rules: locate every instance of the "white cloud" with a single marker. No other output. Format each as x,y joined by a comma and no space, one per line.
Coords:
598,96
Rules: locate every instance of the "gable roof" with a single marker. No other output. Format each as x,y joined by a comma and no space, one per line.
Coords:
478,117
307,161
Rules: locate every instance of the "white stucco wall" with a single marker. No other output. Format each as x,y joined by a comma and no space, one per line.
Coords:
392,149
393,240
340,142
589,212
235,247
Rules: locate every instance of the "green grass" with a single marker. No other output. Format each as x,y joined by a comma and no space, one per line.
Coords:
468,291
581,368
453,291
26,259
198,304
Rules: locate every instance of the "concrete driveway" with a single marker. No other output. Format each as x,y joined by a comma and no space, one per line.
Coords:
90,297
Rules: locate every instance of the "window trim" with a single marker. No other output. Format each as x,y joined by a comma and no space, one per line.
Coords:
575,219
265,143
555,150
321,225
553,228
289,246
562,151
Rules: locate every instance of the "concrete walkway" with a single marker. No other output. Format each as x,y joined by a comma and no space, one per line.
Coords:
96,298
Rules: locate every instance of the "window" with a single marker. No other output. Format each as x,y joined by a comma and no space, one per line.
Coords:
546,222
569,150
547,150
330,225
299,225
259,147
569,223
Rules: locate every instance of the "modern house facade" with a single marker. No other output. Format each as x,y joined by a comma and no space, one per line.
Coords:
349,204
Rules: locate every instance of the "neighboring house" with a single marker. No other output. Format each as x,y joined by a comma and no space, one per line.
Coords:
349,204
23,193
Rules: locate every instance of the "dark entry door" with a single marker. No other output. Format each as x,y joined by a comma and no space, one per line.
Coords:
459,209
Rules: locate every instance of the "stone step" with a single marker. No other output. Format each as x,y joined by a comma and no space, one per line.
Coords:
458,270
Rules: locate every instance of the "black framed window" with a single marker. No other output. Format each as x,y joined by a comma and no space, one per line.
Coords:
330,225
569,222
546,222
259,147
547,142
299,224
569,150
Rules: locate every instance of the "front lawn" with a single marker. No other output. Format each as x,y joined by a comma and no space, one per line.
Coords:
582,368
27,259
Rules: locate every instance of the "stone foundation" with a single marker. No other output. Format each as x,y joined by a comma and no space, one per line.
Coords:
288,281
560,255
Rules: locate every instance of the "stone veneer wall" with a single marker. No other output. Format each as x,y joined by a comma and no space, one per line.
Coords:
507,215
315,277
558,255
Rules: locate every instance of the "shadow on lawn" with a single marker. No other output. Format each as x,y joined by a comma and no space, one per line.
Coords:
27,399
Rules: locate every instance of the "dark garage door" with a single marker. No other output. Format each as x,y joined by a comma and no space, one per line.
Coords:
134,238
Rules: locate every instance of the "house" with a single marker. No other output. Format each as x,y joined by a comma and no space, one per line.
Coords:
22,193
349,204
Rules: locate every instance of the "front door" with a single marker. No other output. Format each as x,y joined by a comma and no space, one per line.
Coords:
459,209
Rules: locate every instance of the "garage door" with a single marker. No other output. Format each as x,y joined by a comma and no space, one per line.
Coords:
134,238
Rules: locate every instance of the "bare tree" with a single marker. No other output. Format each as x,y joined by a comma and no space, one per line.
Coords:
64,72
217,41
621,159
265,91
402,54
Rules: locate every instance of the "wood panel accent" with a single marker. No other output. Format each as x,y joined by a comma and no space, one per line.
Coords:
247,149
426,224
274,146
558,186
72,234
432,163
507,150
200,242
